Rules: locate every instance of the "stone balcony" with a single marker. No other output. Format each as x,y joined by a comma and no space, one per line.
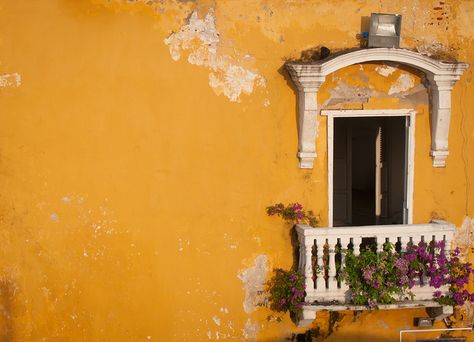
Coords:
319,246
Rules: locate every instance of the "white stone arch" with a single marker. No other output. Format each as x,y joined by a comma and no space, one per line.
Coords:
308,78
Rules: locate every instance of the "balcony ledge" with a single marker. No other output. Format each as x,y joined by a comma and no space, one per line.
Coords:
435,310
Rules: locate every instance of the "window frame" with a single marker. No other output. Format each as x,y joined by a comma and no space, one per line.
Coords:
410,150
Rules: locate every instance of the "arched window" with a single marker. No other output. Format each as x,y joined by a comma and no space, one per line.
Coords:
309,77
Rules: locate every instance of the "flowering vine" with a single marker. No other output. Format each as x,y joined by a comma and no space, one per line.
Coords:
383,277
286,291
442,269
293,212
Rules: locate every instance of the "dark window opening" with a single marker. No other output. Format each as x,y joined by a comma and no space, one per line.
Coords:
369,175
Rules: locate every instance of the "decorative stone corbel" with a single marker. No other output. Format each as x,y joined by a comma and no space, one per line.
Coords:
441,87
307,119
309,77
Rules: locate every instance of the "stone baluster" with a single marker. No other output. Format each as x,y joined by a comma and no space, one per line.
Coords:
302,254
320,282
308,269
403,243
380,242
356,241
332,281
424,278
447,244
344,242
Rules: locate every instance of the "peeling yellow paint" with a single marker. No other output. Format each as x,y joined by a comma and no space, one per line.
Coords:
201,37
10,80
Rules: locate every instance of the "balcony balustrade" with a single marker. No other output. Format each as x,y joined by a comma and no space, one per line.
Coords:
323,249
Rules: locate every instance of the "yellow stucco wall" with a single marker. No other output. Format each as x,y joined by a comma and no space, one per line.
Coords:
134,183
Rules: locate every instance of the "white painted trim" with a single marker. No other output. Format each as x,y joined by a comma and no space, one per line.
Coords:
411,166
308,78
359,113
330,134
365,112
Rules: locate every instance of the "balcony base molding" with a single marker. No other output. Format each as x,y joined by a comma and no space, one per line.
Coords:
434,309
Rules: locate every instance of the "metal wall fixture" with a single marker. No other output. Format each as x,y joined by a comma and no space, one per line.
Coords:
385,30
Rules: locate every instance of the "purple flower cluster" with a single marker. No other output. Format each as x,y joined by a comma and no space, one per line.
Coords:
372,276
433,262
368,273
293,212
286,291
372,303
379,277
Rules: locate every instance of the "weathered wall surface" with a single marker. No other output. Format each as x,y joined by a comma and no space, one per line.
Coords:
140,142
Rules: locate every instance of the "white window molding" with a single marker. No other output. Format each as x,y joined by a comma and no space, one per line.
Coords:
409,177
308,78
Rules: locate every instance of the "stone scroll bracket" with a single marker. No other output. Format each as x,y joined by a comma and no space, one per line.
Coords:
441,87
308,78
308,120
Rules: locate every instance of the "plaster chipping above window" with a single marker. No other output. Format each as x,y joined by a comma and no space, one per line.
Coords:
200,40
309,77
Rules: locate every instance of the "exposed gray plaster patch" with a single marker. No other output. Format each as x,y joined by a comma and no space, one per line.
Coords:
201,38
344,93
363,76
216,320
54,217
403,89
431,48
182,244
404,83
253,279
250,330
418,95
464,236
385,70
468,313
10,80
